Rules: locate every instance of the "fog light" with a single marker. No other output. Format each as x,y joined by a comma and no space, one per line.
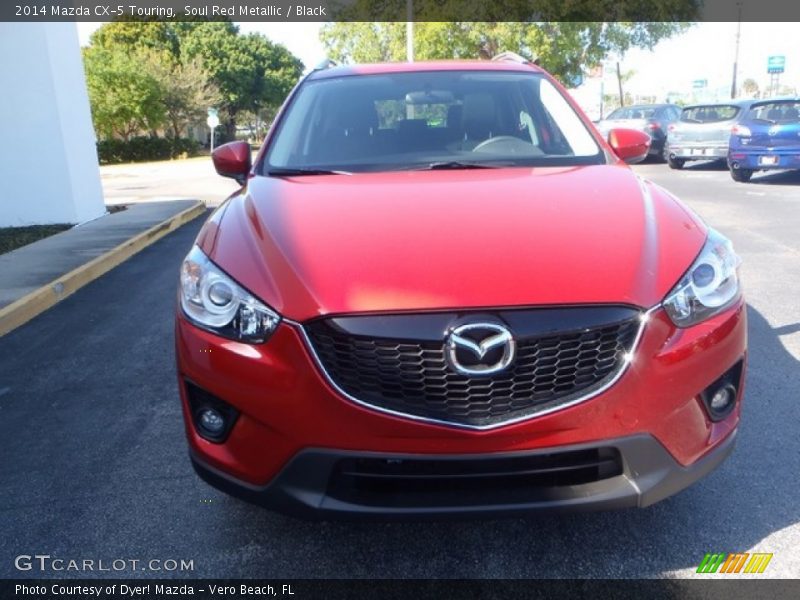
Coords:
212,421
720,397
212,417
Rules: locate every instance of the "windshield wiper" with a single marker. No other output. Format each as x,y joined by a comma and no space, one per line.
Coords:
289,172
456,164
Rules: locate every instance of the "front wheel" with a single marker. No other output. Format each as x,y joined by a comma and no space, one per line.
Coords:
675,163
741,175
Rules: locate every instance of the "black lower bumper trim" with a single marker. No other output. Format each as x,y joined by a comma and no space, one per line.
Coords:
631,471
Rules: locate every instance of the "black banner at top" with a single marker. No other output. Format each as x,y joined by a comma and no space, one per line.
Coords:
400,10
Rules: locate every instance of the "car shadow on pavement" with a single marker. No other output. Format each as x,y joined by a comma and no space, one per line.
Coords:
706,165
777,178
752,496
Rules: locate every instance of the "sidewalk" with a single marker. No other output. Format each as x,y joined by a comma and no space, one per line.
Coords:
37,276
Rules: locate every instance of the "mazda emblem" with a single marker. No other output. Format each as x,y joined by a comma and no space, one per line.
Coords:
479,348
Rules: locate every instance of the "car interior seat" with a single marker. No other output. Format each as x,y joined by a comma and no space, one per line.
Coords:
774,114
478,118
454,126
351,133
791,114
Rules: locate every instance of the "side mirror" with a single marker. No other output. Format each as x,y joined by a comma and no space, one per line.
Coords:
631,145
233,160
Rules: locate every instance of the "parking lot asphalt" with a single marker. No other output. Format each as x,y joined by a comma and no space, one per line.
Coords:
94,462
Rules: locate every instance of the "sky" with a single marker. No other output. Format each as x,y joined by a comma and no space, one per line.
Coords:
705,51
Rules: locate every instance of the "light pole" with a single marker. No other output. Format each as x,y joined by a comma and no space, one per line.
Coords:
736,55
410,30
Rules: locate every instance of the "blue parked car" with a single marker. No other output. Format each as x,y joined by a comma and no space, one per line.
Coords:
768,137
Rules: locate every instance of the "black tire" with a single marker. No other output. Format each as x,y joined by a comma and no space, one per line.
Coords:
676,163
741,175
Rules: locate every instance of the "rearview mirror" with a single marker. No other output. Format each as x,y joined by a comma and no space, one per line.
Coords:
431,97
233,160
631,145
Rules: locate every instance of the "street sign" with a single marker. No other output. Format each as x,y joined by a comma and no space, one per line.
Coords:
213,118
213,122
700,83
776,64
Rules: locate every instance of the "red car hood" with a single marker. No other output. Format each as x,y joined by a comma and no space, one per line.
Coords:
453,239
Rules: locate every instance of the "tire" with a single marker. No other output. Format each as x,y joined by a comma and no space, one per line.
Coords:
676,163
741,175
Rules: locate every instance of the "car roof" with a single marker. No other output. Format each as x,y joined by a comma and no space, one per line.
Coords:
422,67
777,99
720,103
644,106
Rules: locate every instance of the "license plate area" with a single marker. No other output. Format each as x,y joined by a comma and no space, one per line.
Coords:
767,161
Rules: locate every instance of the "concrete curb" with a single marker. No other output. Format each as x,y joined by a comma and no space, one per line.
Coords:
23,310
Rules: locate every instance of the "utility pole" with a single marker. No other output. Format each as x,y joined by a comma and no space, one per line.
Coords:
410,30
736,55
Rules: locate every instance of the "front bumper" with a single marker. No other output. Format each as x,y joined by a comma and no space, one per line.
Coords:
290,418
311,485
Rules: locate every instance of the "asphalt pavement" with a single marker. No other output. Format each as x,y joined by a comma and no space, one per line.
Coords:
94,462
164,181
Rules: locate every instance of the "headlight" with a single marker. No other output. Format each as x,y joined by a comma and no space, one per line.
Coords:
215,302
710,285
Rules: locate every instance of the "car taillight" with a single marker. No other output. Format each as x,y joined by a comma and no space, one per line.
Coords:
653,126
672,127
741,130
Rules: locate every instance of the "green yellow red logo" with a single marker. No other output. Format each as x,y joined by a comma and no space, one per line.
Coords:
738,562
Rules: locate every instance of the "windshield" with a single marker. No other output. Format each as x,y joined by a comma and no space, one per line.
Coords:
634,112
709,114
458,119
776,112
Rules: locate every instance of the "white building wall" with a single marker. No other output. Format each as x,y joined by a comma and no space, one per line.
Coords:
48,158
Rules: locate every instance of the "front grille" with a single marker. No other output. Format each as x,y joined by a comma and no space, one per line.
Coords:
412,377
431,482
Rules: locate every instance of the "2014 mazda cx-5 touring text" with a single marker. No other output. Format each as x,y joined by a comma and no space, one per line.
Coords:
440,291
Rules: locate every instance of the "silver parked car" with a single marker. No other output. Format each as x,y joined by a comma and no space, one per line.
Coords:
703,132
653,119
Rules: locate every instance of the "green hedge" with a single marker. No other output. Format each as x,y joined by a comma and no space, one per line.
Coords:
145,148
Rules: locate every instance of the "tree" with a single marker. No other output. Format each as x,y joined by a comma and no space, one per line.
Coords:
250,71
137,35
186,90
196,65
563,48
124,97
750,87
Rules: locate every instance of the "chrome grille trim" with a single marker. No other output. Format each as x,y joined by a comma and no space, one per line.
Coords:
644,318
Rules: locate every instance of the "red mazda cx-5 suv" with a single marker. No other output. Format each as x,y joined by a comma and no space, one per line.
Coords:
441,291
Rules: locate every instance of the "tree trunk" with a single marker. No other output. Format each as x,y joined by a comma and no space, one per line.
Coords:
176,128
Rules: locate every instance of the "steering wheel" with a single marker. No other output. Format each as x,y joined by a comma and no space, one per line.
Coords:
508,139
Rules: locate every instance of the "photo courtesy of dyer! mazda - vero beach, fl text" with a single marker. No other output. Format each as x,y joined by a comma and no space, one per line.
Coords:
441,291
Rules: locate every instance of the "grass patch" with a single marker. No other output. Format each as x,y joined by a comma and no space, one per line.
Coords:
12,238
